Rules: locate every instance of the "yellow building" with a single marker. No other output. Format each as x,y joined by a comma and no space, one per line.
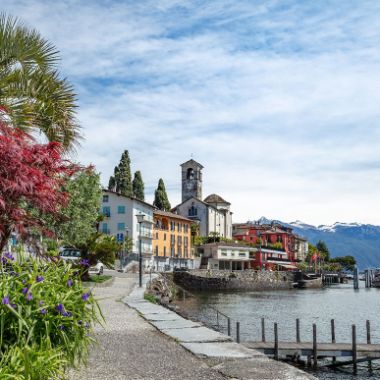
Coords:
171,241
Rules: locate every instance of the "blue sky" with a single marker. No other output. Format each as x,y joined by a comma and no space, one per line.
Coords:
279,100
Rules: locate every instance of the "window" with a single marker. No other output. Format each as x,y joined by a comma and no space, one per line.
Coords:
172,251
242,254
279,239
105,198
179,252
190,173
232,253
165,251
179,240
156,235
172,226
186,252
156,250
107,211
193,211
105,228
186,228
172,239
120,237
164,236
186,241
223,252
121,226
179,226
121,209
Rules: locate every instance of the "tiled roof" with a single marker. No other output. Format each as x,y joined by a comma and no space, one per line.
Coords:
215,198
171,215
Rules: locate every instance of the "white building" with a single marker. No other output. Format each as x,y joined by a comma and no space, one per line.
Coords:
120,220
212,214
226,256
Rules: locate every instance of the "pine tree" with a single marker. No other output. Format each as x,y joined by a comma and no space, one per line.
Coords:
138,186
122,178
161,200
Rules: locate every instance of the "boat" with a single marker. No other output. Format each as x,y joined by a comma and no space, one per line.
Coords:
376,279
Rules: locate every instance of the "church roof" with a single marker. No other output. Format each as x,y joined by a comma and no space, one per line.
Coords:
192,162
215,198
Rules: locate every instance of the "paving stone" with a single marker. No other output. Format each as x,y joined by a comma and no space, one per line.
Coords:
175,324
196,334
220,350
162,317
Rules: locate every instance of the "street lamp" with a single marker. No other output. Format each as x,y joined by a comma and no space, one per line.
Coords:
140,218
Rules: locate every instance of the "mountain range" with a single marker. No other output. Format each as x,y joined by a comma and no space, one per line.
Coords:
359,240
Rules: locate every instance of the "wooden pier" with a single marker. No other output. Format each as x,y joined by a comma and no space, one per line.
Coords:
313,350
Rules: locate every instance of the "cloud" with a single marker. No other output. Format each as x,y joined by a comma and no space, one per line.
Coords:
277,99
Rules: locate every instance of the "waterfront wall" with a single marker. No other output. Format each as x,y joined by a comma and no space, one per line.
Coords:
237,280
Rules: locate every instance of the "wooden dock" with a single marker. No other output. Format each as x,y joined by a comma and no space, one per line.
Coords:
367,351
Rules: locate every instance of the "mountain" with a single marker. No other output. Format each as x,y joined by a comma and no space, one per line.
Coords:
359,240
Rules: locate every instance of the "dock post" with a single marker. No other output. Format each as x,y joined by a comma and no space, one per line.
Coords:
229,326
217,318
356,278
262,329
315,347
275,341
333,336
298,335
354,349
238,332
368,329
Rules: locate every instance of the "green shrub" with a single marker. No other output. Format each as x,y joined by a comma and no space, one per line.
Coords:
46,318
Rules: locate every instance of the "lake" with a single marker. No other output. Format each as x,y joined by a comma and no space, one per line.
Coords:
319,306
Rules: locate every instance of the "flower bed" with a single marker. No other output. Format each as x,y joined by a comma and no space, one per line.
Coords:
46,316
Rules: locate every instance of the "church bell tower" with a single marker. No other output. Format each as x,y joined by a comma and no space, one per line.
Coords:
191,180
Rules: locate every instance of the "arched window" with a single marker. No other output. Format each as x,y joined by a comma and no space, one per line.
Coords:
190,173
193,211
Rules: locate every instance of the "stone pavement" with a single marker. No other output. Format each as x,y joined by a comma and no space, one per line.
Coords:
169,347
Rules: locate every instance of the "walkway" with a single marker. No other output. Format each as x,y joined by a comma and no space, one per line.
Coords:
131,348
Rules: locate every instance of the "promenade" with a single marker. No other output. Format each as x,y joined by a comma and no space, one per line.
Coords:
155,343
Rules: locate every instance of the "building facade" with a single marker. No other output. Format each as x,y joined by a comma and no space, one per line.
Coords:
171,241
226,256
120,220
275,245
212,215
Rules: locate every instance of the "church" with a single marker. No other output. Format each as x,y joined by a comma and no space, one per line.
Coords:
213,213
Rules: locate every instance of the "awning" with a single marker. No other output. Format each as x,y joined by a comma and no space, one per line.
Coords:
289,266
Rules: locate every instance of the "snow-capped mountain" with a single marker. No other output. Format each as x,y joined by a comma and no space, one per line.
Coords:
359,240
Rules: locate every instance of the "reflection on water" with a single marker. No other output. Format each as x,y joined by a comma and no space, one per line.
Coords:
317,306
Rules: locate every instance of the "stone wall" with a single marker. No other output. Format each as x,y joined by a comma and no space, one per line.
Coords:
236,280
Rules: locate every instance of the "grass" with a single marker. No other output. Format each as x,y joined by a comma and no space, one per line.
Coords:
150,298
99,279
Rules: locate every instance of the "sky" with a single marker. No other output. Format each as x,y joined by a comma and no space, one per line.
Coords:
278,100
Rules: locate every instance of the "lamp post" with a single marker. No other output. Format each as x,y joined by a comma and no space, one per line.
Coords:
140,218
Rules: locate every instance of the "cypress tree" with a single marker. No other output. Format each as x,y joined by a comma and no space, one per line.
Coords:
121,181
138,186
161,200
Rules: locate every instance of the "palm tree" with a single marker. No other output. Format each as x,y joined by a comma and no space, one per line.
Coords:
32,94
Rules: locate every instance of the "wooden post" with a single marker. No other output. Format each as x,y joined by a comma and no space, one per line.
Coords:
368,328
217,318
315,347
298,335
275,341
229,326
356,278
262,329
354,348
238,332
333,336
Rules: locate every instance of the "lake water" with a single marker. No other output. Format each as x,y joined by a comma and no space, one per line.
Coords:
318,306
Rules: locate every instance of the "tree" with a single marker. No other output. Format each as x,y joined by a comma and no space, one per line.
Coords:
161,200
121,181
347,262
33,96
32,179
79,217
138,186
322,248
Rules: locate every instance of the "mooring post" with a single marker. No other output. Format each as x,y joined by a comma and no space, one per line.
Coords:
238,332
275,341
333,336
298,335
217,317
356,278
315,348
262,329
368,328
229,326
354,348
